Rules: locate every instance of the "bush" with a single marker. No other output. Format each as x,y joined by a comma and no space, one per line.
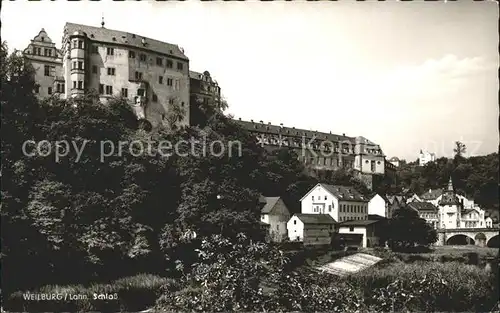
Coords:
427,286
127,294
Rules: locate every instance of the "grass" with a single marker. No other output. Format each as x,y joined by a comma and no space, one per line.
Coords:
133,293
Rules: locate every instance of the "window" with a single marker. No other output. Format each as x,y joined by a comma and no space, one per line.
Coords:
124,92
278,227
75,43
131,54
160,79
45,52
170,101
101,89
140,92
37,89
159,61
46,70
50,90
110,51
329,208
155,98
169,81
80,84
109,90
312,198
94,69
351,228
111,71
170,64
294,222
95,49
74,84
80,65
80,44
326,197
373,166
138,75
142,57
43,39
180,66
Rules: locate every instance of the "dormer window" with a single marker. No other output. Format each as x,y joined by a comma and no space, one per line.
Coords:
43,38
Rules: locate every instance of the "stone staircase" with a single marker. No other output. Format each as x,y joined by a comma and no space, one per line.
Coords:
349,264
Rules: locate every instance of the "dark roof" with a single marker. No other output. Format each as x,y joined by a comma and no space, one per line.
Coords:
359,223
316,218
270,203
375,217
423,206
111,36
345,193
292,131
195,75
432,194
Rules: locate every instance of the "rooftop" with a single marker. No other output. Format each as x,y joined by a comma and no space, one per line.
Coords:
316,218
345,193
359,223
423,206
111,36
270,203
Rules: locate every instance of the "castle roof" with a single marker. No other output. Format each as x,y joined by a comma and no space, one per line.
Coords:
117,37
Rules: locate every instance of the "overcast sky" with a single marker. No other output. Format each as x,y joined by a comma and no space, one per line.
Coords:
406,75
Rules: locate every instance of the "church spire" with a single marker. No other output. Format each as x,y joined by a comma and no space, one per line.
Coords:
450,185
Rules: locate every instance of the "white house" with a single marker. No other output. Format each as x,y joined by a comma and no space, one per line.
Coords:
394,161
425,157
378,206
311,229
342,203
359,233
275,214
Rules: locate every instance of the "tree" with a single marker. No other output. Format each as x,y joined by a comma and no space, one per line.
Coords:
459,149
406,230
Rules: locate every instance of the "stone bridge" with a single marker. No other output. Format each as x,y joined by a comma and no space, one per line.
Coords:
462,236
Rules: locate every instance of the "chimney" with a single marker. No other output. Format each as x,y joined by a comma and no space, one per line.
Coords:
262,122
268,123
251,121
239,119
343,134
281,124
330,132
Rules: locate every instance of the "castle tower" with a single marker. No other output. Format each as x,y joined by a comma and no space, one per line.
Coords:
77,66
450,208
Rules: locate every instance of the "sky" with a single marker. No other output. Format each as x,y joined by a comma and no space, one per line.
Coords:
406,75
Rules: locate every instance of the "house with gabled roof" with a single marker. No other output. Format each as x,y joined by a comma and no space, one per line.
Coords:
427,211
378,205
342,203
311,229
275,214
364,233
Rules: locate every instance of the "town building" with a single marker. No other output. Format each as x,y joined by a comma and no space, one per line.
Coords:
342,203
363,233
454,210
324,151
153,76
275,214
394,161
203,88
311,229
394,203
425,157
427,211
378,205
46,60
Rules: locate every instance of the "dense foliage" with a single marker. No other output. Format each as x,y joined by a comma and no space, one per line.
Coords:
406,230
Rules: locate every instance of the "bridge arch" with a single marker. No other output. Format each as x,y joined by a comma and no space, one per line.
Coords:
460,240
493,242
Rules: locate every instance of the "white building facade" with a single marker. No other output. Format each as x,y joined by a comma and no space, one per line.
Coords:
378,206
425,157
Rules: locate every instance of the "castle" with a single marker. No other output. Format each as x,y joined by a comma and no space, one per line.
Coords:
153,76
